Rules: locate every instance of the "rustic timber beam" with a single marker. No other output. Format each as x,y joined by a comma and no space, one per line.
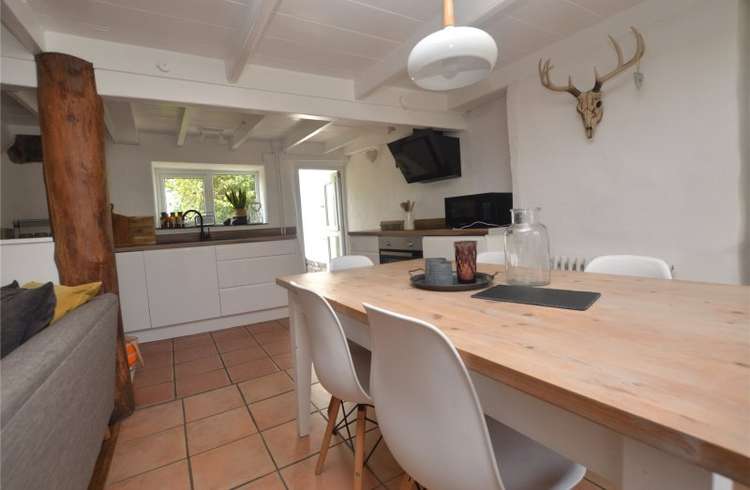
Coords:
72,127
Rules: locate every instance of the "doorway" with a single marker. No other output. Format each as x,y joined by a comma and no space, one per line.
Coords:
321,206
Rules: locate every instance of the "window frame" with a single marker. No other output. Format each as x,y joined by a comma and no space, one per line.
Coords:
166,170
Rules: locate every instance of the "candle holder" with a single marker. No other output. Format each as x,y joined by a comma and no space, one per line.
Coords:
466,261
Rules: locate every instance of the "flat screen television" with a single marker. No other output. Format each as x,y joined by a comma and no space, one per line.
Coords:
427,155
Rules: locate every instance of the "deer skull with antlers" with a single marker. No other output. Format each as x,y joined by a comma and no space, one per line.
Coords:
590,103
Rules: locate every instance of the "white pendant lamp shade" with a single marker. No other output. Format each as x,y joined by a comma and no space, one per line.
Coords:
452,57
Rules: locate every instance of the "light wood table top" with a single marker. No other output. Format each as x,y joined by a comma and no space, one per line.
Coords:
664,362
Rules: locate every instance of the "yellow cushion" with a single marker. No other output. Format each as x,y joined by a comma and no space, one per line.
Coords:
69,297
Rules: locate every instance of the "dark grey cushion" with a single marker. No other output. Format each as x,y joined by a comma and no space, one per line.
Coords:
23,314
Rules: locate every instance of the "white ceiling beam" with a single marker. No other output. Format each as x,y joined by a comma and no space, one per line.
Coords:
120,122
26,99
303,131
376,138
242,133
467,13
186,114
258,15
341,142
128,72
20,20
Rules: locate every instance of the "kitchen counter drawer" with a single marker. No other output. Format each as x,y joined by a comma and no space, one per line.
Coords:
252,298
244,272
257,249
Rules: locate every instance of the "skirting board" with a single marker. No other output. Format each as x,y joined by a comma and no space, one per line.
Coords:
210,325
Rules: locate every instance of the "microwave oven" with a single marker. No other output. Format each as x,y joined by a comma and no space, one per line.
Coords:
479,210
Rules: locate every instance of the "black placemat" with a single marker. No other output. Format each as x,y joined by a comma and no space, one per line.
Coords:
554,298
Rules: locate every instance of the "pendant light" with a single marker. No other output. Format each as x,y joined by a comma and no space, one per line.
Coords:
452,57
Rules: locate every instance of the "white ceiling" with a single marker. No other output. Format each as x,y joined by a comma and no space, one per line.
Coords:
326,37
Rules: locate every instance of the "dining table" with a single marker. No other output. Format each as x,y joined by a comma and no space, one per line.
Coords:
649,388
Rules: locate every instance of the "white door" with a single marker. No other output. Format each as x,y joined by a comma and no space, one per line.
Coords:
332,200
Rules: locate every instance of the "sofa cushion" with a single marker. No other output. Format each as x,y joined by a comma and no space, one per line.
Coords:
24,313
69,297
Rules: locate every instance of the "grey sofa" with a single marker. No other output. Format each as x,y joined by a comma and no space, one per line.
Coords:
56,399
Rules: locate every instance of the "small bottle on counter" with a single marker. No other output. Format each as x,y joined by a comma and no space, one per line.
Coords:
172,220
163,220
180,220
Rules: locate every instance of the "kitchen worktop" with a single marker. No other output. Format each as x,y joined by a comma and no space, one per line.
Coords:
227,237
429,232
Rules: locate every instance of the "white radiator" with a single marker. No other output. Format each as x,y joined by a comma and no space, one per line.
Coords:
562,263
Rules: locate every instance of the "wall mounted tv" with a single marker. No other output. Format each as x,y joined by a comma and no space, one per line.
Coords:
427,155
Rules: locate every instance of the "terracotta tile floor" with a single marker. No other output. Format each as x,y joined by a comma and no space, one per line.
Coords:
216,411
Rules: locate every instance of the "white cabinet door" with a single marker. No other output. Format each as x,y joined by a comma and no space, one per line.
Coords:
256,297
131,279
257,249
363,244
182,285
243,272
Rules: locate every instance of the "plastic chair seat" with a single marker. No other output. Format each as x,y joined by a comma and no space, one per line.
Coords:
527,465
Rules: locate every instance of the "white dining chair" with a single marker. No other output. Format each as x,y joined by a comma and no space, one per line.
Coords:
431,419
491,258
349,262
630,265
343,369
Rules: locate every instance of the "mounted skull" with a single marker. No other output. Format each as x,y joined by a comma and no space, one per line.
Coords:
590,103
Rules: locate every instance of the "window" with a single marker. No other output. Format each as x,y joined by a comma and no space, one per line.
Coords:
180,187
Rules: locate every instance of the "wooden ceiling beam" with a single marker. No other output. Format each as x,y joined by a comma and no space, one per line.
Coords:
341,142
376,138
26,99
258,15
18,17
186,114
303,131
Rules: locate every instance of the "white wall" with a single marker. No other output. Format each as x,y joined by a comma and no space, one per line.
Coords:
375,189
661,175
131,183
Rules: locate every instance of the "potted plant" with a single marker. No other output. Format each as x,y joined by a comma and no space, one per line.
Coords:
237,197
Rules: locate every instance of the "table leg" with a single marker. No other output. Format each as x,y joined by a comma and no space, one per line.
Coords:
302,364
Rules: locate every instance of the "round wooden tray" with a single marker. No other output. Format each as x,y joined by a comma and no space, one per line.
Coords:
481,281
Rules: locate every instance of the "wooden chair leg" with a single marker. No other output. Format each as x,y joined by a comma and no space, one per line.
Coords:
406,483
333,412
359,447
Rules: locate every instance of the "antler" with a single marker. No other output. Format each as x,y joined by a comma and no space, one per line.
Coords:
544,77
640,48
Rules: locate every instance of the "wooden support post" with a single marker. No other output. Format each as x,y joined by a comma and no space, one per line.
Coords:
72,127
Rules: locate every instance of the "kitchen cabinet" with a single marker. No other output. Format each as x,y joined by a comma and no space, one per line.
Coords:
365,245
182,285
131,277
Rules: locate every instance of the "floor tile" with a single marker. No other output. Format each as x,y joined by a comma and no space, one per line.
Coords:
230,333
157,359
275,411
270,482
152,376
266,386
157,346
278,348
264,327
219,429
175,476
194,353
394,483
284,361
242,356
586,485
198,366
229,345
382,462
252,369
191,342
197,383
231,465
338,473
272,336
212,402
151,395
287,448
147,453
151,420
